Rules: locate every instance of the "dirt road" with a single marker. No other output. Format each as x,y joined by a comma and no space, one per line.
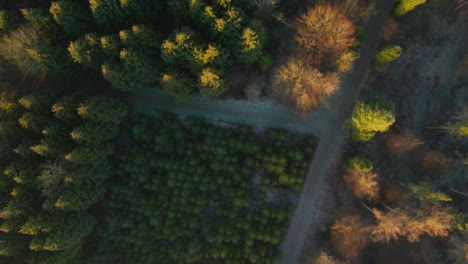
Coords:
326,123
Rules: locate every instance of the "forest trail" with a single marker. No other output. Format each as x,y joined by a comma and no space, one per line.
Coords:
307,218
326,123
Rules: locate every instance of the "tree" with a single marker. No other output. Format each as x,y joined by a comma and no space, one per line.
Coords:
73,17
92,133
428,196
368,118
254,39
388,54
363,184
324,30
12,245
390,226
324,258
401,143
103,109
107,14
31,46
303,86
458,129
8,20
346,61
435,222
406,6
66,107
349,235
360,164
178,86
87,51
211,83
89,155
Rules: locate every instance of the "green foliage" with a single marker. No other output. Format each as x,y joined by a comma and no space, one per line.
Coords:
44,196
91,133
427,195
388,54
8,20
360,164
110,46
211,83
204,173
406,6
178,86
107,14
90,155
33,46
87,51
459,129
75,18
368,118
103,109
12,244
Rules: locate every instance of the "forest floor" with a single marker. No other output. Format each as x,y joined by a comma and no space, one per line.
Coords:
327,123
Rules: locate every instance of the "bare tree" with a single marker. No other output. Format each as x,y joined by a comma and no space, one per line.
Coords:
324,30
363,184
390,225
401,143
303,86
349,235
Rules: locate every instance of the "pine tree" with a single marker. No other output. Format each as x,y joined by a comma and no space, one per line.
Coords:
75,18
103,109
87,51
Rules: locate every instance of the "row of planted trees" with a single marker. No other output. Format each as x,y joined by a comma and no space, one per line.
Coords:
54,160
191,192
186,47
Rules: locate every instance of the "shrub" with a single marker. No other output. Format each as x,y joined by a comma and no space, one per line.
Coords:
371,117
323,30
360,164
406,6
303,86
388,54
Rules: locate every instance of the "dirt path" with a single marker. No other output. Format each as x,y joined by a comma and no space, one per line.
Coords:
326,123
306,221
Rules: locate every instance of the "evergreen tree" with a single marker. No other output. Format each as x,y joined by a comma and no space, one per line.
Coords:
75,18
103,109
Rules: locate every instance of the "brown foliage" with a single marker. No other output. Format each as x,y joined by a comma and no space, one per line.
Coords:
390,29
363,184
324,258
324,30
400,223
401,143
435,161
436,223
303,86
354,9
349,235
389,225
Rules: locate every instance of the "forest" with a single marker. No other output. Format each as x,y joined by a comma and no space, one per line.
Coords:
357,152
